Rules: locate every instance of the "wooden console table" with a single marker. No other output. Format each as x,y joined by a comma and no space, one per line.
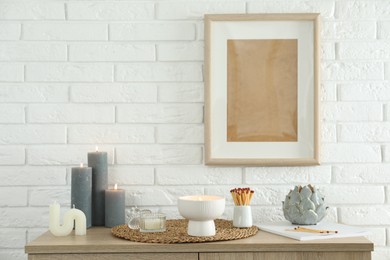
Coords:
100,244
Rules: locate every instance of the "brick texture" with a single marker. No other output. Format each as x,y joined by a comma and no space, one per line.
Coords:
128,76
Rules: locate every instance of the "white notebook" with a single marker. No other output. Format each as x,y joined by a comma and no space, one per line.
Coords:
282,229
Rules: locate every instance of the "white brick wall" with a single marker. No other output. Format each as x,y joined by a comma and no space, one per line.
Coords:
349,111
111,52
384,30
31,93
10,31
32,11
65,31
69,72
100,134
375,91
12,113
11,72
32,51
159,71
156,31
128,75
178,11
110,11
106,93
182,92
70,113
160,113
352,70
32,176
159,154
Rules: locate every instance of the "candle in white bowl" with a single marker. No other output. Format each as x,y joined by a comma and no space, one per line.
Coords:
70,217
115,207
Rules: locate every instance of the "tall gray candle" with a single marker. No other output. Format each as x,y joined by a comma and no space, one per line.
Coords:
98,162
81,191
115,207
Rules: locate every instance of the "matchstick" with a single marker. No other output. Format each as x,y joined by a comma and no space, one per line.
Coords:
310,230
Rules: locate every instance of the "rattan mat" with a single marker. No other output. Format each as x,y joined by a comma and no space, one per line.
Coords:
177,233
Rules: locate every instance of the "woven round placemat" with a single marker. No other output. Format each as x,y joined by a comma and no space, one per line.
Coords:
176,232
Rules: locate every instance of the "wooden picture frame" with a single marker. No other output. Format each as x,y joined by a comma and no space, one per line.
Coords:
262,89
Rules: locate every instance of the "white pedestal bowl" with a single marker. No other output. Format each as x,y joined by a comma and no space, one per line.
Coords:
201,211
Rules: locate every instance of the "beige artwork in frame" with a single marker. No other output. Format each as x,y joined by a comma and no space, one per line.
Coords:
261,89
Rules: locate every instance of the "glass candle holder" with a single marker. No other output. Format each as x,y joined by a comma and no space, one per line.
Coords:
152,222
134,217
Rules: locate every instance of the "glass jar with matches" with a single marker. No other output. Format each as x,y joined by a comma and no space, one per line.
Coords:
242,214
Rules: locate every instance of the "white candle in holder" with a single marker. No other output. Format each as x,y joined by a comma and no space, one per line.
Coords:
152,223
71,216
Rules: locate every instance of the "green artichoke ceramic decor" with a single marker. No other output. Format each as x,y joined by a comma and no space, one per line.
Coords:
304,206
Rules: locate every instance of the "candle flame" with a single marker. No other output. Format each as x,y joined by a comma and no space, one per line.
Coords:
115,186
97,148
81,165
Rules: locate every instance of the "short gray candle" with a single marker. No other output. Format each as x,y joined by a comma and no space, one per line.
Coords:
98,162
81,191
115,207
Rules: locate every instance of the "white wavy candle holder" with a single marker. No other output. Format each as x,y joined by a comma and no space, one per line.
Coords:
70,217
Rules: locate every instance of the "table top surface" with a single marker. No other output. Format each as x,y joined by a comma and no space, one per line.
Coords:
100,240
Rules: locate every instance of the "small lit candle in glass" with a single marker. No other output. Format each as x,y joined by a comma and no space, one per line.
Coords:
152,222
115,207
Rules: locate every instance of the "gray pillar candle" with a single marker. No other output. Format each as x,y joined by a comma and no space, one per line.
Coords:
98,162
115,207
81,191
